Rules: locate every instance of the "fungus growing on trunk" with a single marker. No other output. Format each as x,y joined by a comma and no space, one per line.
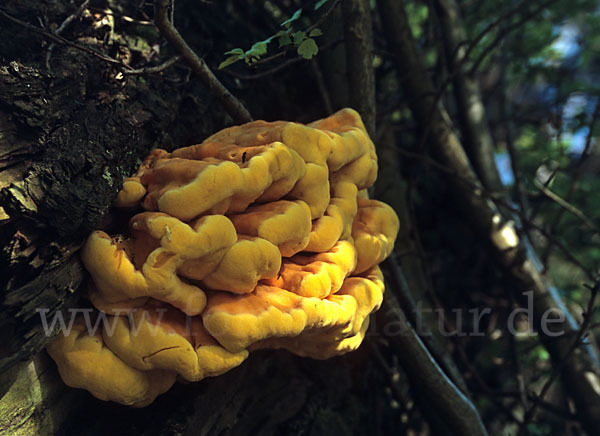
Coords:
262,236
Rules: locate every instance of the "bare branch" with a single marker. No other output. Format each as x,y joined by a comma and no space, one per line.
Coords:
461,62
557,369
459,412
577,171
566,206
74,16
59,39
155,69
125,18
500,202
232,105
506,31
471,112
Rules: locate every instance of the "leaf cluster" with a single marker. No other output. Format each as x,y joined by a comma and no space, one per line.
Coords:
302,40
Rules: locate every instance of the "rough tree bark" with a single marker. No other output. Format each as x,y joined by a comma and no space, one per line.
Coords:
359,59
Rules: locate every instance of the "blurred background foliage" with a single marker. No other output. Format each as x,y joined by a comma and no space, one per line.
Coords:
539,84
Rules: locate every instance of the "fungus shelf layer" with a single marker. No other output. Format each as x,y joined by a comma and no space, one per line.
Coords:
262,236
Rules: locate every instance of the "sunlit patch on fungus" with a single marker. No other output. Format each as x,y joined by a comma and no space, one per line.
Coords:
262,236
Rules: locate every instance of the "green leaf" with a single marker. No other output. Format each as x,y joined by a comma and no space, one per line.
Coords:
315,32
319,4
298,37
284,40
235,51
283,37
256,51
230,60
287,23
308,48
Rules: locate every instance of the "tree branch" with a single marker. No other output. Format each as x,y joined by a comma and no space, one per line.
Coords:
581,333
407,303
500,202
358,38
565,205
279,67
59,39
471,111
422,370
577,171
232,105
74,16
156,68
506,31
582,372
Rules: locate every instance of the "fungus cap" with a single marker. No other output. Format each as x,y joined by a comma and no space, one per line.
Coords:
262,236
84,361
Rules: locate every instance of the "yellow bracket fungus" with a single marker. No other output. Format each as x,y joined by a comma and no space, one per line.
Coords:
262,236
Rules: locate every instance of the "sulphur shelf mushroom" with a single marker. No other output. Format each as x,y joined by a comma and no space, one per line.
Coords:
262,236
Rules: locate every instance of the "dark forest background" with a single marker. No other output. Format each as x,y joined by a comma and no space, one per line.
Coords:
484,114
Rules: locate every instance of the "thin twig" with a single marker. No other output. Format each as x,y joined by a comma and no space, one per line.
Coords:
508,136
566,205
467,361
393,376
279,67
283,53
122,17
564,414
74,16
232,105
269,58
323,17
495,23
59,39
155,69
460,62
583,329
506,31
264,73
499,201
577,171
413,314
516,360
